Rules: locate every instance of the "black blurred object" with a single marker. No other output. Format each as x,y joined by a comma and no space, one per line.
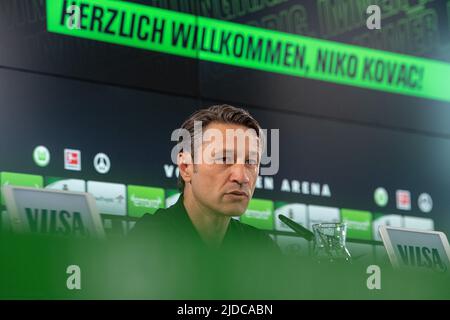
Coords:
299,229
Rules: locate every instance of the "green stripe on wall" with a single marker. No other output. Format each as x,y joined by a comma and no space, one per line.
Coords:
207,39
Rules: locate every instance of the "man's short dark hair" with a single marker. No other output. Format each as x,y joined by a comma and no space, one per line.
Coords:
223,113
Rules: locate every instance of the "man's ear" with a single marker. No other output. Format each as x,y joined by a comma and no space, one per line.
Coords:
185,166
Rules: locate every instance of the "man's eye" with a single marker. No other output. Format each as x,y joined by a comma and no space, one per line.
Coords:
225,160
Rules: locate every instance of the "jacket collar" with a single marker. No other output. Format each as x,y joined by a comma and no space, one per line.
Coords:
183,221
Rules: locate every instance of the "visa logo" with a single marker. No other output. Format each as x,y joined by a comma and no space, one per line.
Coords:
421,257
55,222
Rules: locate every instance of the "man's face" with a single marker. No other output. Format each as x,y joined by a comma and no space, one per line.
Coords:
224,177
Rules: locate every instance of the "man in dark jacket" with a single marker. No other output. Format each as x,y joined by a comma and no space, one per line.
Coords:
218,162
218,168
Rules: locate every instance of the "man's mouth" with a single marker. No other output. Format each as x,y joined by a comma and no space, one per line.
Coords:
238,194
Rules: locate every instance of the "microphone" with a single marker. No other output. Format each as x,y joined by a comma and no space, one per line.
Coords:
299,229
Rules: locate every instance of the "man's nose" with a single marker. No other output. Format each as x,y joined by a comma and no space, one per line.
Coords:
239,174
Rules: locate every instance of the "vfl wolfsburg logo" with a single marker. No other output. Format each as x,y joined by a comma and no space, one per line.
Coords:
41,156
381,197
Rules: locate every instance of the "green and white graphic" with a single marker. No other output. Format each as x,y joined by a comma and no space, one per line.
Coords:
294,211
418,223
172,196
41,156
321,214
359,223
259,214
197,37
109,197
381,197
379,219
54,183
20,179
142,200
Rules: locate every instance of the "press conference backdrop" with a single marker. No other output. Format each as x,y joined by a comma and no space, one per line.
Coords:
363,114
